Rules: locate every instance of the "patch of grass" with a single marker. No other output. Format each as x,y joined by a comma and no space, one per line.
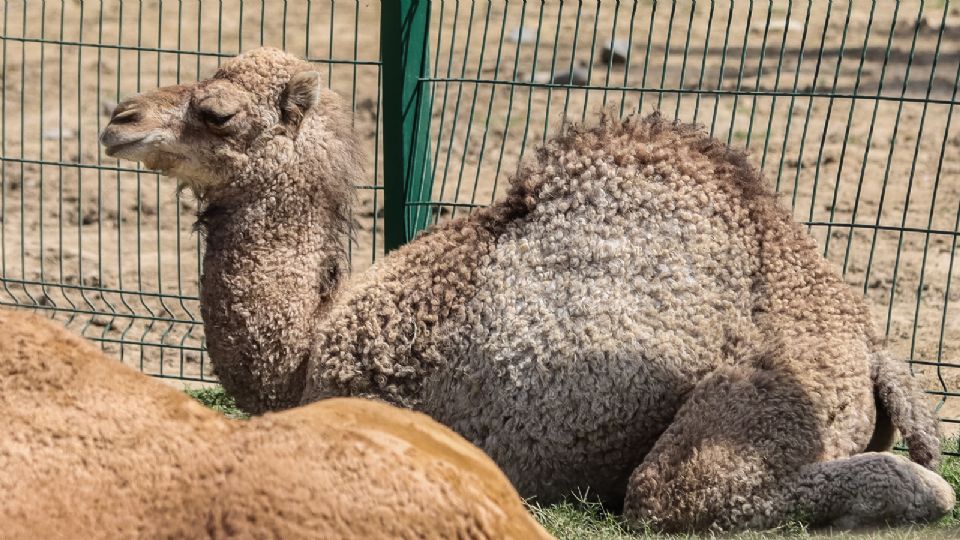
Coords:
217,399
587,521
580,519
950,469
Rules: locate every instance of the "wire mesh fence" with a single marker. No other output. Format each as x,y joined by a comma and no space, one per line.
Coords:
107,247
847,106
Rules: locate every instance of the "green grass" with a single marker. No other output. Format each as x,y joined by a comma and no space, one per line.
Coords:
582,520
218,400
950,469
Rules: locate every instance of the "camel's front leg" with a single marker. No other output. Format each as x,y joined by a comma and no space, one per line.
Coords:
743,453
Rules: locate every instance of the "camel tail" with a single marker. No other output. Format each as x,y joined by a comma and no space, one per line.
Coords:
900,406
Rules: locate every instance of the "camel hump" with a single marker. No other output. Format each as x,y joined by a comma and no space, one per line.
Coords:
638,141
900,406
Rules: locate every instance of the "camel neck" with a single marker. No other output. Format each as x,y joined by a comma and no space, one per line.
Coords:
270,267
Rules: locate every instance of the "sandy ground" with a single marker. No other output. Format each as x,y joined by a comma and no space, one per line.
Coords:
111,251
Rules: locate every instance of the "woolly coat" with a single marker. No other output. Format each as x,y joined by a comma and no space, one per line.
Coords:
562,329
91,449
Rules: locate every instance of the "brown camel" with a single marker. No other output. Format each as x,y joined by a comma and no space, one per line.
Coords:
638,318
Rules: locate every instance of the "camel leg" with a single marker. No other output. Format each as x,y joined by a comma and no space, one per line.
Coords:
744,452
867,489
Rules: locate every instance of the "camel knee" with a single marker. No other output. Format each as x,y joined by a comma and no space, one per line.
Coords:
717,486
717,465
650,501
643,499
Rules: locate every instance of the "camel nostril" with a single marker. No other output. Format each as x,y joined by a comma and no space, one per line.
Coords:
128,116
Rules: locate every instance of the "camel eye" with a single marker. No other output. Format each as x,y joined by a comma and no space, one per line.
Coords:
215,119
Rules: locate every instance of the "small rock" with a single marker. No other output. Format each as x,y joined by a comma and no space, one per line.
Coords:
91,280
103,322
933,23
145,209
615,51
59,134
90,216
542,77
368,105
839,208
578,76
783,25
521,35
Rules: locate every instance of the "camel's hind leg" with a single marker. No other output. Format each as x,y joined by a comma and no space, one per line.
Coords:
867,489
743,452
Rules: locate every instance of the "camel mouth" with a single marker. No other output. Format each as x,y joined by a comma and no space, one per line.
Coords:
141,149
121,150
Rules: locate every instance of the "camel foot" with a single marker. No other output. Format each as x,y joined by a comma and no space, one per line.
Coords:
878,489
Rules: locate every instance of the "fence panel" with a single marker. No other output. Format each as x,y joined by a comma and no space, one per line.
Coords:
100,244
847,106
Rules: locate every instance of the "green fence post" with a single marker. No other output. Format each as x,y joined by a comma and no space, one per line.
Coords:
404,31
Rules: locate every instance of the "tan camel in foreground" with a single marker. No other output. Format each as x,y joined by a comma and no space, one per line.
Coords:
92,449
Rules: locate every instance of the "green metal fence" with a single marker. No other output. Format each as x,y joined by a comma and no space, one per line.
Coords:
847,105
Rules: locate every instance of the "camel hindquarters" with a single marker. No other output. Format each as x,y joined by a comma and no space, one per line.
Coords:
750,449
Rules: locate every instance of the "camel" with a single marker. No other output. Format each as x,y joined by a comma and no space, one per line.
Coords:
90,448
637,319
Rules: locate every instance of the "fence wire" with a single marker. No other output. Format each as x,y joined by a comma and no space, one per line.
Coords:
848,107
105,246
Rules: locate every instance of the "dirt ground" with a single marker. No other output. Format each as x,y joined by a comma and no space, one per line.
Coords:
111,250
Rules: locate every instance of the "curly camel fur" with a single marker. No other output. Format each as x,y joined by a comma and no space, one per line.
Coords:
92,449
599,329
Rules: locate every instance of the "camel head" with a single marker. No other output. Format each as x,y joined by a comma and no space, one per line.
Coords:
211,135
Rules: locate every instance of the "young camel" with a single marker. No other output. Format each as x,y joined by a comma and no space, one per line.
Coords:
92,449
602,320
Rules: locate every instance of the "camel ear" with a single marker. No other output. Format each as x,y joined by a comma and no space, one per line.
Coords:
300,95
